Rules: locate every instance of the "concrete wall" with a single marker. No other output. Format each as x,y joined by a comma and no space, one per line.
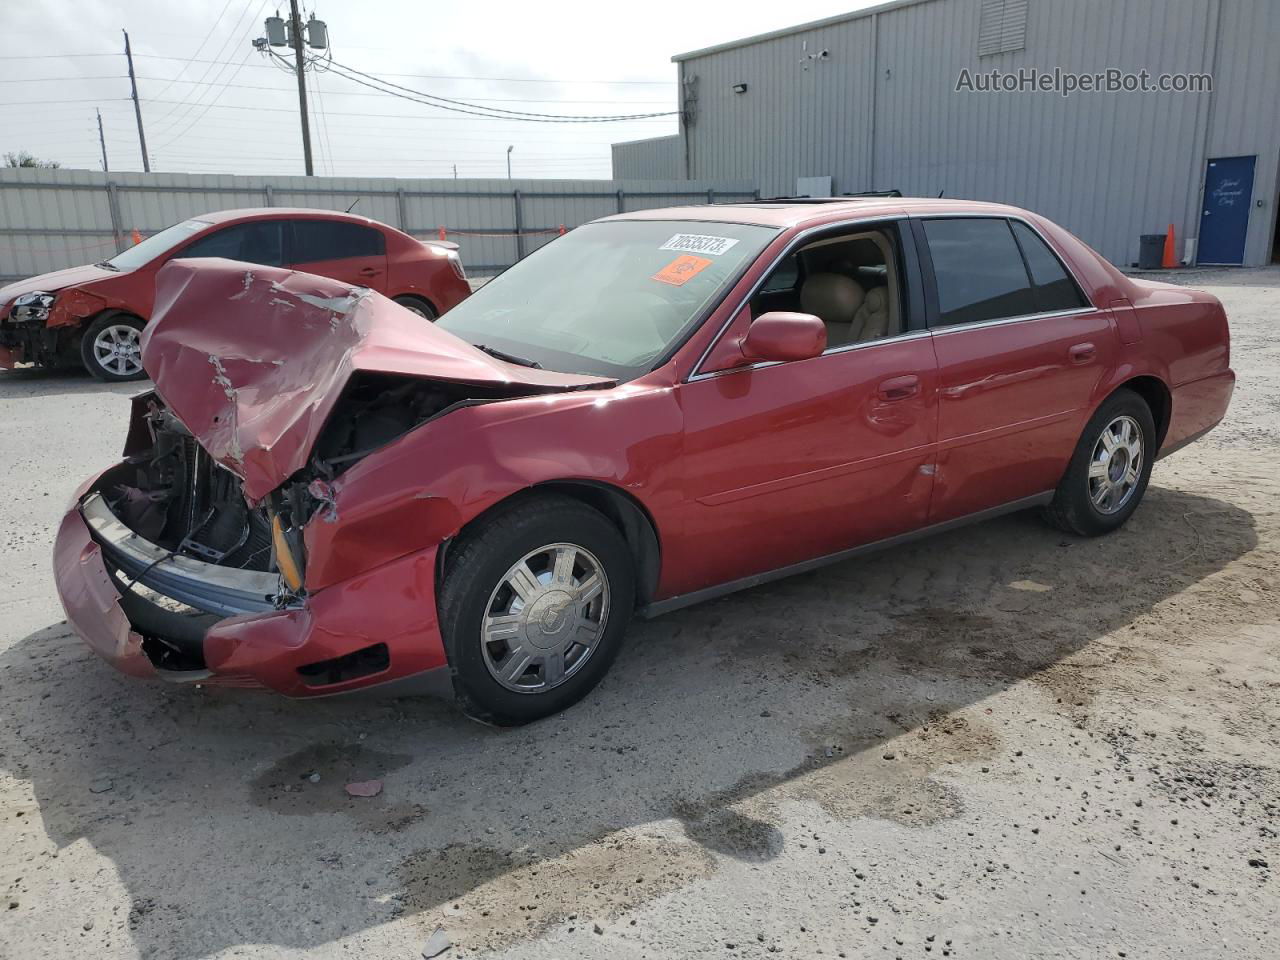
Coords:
658,158
51,219
881,111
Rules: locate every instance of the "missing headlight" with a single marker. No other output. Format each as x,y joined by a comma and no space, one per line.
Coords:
32,307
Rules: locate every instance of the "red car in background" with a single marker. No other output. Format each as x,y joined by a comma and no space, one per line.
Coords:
656,409
95,314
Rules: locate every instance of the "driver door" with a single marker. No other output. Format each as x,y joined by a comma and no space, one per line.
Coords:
788,462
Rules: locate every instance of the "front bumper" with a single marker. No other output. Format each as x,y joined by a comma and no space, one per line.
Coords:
369,630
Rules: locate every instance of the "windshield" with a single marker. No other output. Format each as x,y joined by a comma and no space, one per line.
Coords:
608,298
158,243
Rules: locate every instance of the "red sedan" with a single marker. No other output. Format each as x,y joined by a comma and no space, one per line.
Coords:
658,408
95,314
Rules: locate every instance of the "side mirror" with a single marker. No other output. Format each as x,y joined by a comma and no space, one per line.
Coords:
778,336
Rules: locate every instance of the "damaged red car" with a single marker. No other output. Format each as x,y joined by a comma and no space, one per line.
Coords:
94,315
324,494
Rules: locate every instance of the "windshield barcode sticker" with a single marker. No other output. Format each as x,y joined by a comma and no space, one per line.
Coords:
698,243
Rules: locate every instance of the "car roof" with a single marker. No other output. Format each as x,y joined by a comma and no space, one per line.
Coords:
787,212
310,213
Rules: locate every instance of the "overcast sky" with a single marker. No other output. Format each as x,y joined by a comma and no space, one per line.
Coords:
211,104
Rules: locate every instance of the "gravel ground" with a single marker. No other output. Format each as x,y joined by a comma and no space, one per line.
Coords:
1002,743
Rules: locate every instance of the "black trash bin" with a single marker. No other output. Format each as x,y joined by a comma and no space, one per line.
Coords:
1151,251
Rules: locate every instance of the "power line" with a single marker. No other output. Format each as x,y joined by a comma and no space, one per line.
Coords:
417,76
110,76
216,20
323,124
357,93
36,103
178,114
657,118
463,106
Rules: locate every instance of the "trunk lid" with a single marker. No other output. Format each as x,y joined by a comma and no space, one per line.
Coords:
253,359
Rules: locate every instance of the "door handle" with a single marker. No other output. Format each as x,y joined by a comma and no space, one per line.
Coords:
1082,352
898,388
369,271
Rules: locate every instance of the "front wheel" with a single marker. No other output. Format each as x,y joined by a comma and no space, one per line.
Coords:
533,607
111,348
1109,470
417,305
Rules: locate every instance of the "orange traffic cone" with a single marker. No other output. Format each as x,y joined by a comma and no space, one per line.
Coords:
137,236
1170,259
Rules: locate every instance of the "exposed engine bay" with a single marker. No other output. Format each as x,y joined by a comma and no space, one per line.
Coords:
172,493
176,496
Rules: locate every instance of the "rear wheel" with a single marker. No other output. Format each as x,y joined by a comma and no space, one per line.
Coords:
1109,470
417,305
111,348
533,607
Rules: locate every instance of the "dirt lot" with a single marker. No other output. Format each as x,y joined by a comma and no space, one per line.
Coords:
1003,743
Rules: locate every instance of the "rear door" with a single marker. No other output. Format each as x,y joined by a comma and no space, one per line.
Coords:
1020,352
346,251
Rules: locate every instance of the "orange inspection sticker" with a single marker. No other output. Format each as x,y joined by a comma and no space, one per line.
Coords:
681,269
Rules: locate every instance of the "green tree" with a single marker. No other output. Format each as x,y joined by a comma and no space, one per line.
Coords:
24,159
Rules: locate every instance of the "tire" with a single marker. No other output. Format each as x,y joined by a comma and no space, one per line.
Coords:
533,532
417,305
117,332
1099,490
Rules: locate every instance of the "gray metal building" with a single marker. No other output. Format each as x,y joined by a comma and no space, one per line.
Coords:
870,100
657,158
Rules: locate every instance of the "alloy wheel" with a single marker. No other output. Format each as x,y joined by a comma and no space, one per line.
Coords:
118,350
545,618
1116,465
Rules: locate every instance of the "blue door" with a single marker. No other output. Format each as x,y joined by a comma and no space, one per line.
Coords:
1224,217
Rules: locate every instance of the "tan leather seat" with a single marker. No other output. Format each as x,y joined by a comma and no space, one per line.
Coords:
871,322
835,300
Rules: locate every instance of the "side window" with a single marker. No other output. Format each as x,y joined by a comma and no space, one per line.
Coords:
978,270
255,242
785,276
334,240
850,281
1054,288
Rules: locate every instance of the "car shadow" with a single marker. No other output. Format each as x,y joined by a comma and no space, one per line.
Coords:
854,687
46,382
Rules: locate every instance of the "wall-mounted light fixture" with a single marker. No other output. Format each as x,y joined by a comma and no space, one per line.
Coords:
739,88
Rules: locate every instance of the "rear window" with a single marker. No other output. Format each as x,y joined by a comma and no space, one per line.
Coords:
1054,289
335,240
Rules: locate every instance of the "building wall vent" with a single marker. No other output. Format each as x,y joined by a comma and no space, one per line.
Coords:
1003,27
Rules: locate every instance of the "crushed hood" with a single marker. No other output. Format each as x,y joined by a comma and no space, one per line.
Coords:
55,281
252,359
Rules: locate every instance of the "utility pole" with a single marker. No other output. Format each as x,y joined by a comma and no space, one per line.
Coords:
102,142
278,34
295,23
509,149
137,108
455,171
